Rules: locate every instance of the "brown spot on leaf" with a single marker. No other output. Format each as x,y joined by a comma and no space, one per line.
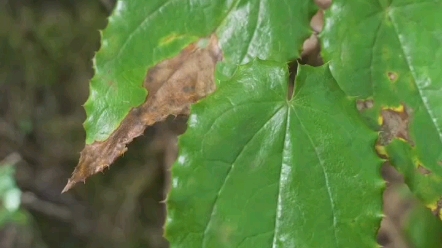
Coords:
392,76
364,104
395,125
422,170
438,210
192,70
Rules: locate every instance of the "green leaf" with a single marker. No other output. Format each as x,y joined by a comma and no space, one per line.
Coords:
258,170
401,40
141,34
422,229
273,30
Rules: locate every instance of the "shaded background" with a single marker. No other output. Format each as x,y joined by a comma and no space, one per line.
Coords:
46,50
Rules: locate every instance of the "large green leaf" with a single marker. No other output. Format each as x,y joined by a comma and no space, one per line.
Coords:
258,170
142,33
390,51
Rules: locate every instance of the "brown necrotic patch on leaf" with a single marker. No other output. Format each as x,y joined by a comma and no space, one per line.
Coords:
437,210
395,125
173,85
422,170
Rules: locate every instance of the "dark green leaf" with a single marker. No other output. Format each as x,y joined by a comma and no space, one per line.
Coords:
258,170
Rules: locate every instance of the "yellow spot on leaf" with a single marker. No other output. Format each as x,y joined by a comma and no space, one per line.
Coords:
436,208
432,206
417,162
399,109
380,120
381,151
171,38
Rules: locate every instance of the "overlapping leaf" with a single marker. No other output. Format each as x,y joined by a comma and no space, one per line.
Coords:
173,86
142,33
389,52
258,170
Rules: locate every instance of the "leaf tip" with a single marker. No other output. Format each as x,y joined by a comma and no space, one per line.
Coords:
68,186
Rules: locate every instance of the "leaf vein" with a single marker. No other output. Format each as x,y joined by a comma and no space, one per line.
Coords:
131,34
204,241
254,32
279,209
326,179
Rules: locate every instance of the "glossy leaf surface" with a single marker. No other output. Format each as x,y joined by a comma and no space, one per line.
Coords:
389,51
258,170
141,34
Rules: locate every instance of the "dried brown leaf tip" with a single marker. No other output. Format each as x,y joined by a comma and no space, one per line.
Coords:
173,85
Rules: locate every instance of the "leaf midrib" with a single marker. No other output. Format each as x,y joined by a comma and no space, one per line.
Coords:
206,230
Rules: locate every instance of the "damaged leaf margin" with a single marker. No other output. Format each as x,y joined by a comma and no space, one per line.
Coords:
141,34
173,85
398,130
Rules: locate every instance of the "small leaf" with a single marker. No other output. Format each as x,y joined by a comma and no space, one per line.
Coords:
259,170
401,40
173,85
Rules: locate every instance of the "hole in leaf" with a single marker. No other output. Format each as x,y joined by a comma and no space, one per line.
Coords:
398,203
311,50
293,69
384,239
323,4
